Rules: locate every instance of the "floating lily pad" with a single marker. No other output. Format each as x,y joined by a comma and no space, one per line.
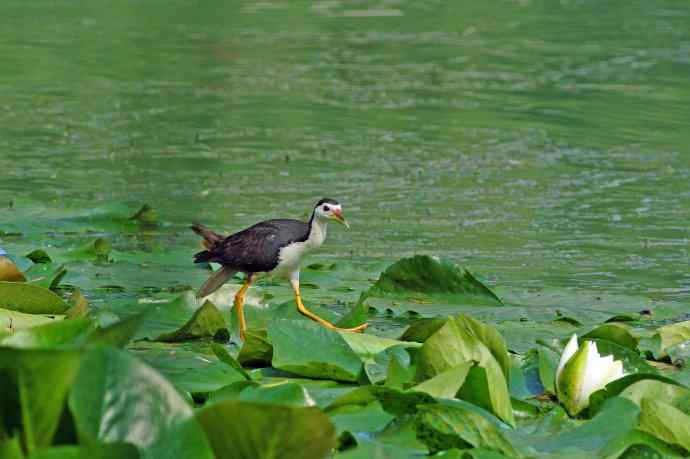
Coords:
12,321
394,401
294,349
95,250
30,299
47,275
225,357
256,350
666,337
117,398
39,256
615,333
274,393
462,340
445,384
48,336
423,277
443,427
206,322
34,388
99,451
665,422
248,430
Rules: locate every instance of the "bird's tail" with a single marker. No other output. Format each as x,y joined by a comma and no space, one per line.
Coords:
214,282
211,238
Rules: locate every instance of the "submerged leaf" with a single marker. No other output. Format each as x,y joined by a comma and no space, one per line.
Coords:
247,430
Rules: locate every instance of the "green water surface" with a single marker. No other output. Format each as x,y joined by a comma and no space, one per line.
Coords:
544,145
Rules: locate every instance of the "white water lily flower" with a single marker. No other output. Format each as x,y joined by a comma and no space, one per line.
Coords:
581,372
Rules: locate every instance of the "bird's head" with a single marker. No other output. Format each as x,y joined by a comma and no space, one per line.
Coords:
329,209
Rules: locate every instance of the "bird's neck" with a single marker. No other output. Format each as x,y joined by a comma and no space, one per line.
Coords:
317,231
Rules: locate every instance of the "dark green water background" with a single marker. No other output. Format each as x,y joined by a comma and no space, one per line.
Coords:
542,144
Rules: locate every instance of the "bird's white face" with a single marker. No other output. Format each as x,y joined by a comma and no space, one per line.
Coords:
328,211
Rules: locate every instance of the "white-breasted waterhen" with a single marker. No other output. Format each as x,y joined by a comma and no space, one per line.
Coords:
272,246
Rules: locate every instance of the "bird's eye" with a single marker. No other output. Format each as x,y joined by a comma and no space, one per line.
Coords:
326,208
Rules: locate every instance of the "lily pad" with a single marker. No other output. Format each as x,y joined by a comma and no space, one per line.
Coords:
615,333
48,336
99,451
117,398
636,386
443,427
666,422
308,349
248,430
31,299
12,321
95,250
274,393
445,384
394,401
34,388
424,277
256,350
666,337
47,275
39,256
206,322
225,357
117,334
462,340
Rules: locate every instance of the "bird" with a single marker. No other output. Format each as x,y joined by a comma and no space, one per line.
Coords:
276,247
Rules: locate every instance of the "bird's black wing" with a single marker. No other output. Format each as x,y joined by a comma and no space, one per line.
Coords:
257,248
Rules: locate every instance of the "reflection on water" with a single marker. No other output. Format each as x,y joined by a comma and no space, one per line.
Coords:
540,143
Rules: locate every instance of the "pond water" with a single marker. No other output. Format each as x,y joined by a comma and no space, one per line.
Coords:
543,145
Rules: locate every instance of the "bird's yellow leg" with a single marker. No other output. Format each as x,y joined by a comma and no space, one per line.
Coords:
307,313
239,305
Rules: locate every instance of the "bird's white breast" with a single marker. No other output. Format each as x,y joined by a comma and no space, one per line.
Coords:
292,255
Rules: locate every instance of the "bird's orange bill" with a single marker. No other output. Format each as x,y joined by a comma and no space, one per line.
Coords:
338,216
